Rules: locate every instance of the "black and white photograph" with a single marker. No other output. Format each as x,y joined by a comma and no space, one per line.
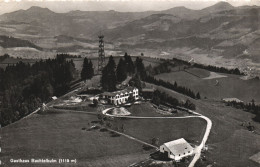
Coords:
129,83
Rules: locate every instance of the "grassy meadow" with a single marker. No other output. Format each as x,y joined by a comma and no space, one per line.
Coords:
230,86
229,143
60,135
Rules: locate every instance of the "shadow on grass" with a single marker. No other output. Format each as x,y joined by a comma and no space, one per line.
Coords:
113,134
92,105
160,156
147,148
103,130
95,122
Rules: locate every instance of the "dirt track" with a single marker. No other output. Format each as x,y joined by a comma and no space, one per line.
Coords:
197,150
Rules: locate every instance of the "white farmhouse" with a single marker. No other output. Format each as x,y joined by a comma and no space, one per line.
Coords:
229,100
177,149
121,97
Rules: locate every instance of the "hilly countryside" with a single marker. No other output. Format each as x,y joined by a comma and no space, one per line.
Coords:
220,35
172,75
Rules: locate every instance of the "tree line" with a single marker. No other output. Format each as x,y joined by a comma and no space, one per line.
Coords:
69,56
163,98
113,74
5,56
174,87
164,67
24,87
235,71
248,107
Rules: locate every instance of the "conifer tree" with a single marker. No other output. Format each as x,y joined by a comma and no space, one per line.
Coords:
121,72
130,68
84,69
108,78
90,70
140,69
87,69
198,95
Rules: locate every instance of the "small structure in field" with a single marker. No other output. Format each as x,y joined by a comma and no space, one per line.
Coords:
177,149
122,96
54,98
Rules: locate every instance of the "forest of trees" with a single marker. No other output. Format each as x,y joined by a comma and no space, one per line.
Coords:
87,69
163,98
113,74
219,69
164,67
24,87
5,56
108,78
175,87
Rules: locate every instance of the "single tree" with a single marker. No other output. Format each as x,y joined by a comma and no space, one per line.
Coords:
130,98
84,69
198,95
130,68
95,102
136,82
140,69
90,70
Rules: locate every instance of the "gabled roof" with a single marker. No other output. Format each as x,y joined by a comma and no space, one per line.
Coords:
109,93
120,92
179,146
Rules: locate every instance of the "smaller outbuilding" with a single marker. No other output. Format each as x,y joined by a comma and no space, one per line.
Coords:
54,98
177,149
229,100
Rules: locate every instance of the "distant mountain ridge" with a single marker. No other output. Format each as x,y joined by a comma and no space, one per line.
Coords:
230,30
75,23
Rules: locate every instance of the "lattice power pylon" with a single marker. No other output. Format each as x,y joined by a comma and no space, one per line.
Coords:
101,54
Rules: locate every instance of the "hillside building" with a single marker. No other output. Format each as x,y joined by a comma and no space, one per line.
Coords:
230,100
177,149
121,97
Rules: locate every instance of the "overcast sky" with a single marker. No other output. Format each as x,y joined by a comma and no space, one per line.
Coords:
61,6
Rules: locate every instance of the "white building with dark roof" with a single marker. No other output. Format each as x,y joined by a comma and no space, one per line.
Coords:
228,100
121,97
177,149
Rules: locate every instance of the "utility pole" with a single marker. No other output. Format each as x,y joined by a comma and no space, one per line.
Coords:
101,54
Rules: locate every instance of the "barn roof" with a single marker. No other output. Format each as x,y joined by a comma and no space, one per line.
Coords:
179,146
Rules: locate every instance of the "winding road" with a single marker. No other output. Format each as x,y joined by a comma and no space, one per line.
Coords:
197,150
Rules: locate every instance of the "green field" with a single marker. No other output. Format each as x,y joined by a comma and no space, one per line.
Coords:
192,129
230,86
229,143
60,135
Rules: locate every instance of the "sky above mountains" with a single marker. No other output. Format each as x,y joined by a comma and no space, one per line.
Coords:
61,6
